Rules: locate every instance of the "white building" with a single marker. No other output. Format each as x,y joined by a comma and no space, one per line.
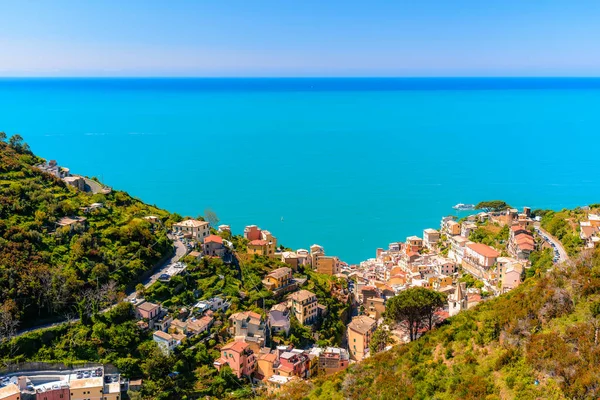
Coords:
198,229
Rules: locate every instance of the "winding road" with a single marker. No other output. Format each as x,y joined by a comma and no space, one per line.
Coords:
180,252
562,253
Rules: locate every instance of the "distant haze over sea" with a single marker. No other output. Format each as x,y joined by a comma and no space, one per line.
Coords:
350,164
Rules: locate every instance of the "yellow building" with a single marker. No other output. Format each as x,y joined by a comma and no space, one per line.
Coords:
304,306
266,365
278,278
328,265
444,281
271,242
375,307
87,388
453,228
360,332
259,247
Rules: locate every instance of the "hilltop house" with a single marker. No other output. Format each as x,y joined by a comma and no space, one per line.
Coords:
213,246
198,230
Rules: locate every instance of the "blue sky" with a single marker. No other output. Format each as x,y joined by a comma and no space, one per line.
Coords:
300,38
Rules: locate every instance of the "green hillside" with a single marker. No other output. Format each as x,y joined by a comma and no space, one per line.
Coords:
539,341
48,271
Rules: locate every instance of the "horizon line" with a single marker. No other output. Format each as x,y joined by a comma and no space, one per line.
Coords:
300,77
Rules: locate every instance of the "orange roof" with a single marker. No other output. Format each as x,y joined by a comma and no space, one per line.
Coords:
412,254
522,238
269,357
483,249
237,346
259,242
245,315
473,297
588,231
213,238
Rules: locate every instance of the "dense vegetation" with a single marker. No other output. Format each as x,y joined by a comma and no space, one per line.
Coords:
60,272
49,271
491,234
492,205
538,341
564,225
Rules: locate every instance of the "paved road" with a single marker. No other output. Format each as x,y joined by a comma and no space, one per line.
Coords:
180,251
562,253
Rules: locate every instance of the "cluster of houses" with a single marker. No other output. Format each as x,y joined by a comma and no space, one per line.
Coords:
419,261
171,330
279,366
79,182
434,261
500,273
589,230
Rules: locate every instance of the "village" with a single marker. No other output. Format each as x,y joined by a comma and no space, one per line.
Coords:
437,261
448,260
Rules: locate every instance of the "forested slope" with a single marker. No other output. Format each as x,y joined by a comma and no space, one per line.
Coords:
539,341
48,271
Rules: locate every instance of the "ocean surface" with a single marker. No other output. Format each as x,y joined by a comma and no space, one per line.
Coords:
351,164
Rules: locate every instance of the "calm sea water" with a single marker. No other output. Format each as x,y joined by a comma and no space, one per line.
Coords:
351,164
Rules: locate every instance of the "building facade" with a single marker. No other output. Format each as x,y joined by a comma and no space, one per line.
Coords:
303,304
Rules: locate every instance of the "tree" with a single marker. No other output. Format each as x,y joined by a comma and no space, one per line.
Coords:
16,142
381,338
8,324
211,217
414,307
140,289
2,136
493,205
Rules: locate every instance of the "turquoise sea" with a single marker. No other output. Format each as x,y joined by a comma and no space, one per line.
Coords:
351,164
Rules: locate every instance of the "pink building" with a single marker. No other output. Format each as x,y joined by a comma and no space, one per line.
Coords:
53,392
213,246
293,363
147,310
252,232
239,357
